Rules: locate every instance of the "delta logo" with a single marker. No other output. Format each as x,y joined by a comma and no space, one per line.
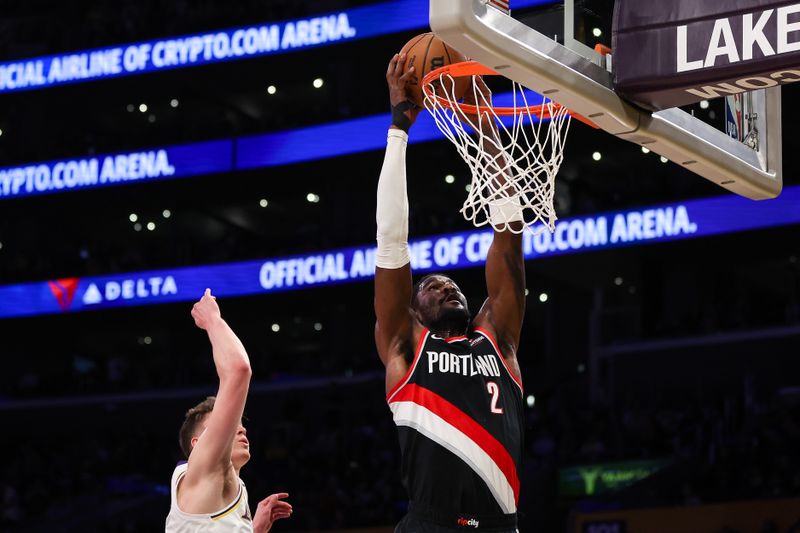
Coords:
464,522
64,291
129,289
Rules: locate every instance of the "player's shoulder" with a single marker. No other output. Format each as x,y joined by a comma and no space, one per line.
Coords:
179,471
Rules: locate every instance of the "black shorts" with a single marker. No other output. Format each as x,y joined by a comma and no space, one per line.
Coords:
425,520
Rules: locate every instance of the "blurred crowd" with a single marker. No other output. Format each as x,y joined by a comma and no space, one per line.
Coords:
333,449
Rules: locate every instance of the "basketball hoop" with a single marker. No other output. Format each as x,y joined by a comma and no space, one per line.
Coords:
514,156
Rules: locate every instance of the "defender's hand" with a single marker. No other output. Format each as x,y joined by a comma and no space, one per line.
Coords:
206,311
404,110
270,509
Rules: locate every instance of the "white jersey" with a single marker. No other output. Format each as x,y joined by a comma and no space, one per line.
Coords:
234,517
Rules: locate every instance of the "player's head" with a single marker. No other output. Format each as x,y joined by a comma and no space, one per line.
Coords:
440,305
195,423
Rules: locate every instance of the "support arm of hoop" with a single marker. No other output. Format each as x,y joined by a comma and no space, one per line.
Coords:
392,207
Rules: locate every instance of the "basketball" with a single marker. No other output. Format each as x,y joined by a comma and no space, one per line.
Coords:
427,52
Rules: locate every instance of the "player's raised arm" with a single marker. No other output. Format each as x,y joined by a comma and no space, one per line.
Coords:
211,455
504,309
393,285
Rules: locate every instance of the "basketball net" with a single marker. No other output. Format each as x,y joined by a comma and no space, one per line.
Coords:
513,156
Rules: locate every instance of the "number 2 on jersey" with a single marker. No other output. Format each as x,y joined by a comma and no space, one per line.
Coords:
494,390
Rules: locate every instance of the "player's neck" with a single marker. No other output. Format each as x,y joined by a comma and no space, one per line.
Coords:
449,332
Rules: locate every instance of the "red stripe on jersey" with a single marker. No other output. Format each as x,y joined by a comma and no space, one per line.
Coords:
488,335
420,345
466,425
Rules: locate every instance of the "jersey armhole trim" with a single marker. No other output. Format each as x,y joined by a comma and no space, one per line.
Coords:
423,338
233,506
502,358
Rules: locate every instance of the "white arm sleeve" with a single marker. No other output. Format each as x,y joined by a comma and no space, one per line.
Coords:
392,209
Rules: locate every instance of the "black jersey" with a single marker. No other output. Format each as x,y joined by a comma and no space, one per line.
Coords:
459,414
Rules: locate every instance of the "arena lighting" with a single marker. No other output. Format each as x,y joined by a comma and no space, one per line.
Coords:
527,292
317,326
1,133
174,102
543,297
137,227
148,340
645,150
312,198
166,213
664,159
618,281
597,32
263,202
151,118
131,108
272,89
581,368
530,400
276,328
151,226
468,187
133,217
318,83
597,156
704,104
449,178
143,108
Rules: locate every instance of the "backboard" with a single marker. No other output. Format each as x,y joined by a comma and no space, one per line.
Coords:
576,76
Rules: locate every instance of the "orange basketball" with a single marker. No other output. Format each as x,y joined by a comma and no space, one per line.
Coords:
427,52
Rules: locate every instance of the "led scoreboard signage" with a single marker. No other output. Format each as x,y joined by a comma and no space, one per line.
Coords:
662,223
256,151
224,45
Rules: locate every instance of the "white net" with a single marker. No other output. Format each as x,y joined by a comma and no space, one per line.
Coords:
513,159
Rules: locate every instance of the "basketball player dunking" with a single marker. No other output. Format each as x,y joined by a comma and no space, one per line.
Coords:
207,493
453,384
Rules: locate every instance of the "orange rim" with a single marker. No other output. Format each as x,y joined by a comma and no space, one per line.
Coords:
473,68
